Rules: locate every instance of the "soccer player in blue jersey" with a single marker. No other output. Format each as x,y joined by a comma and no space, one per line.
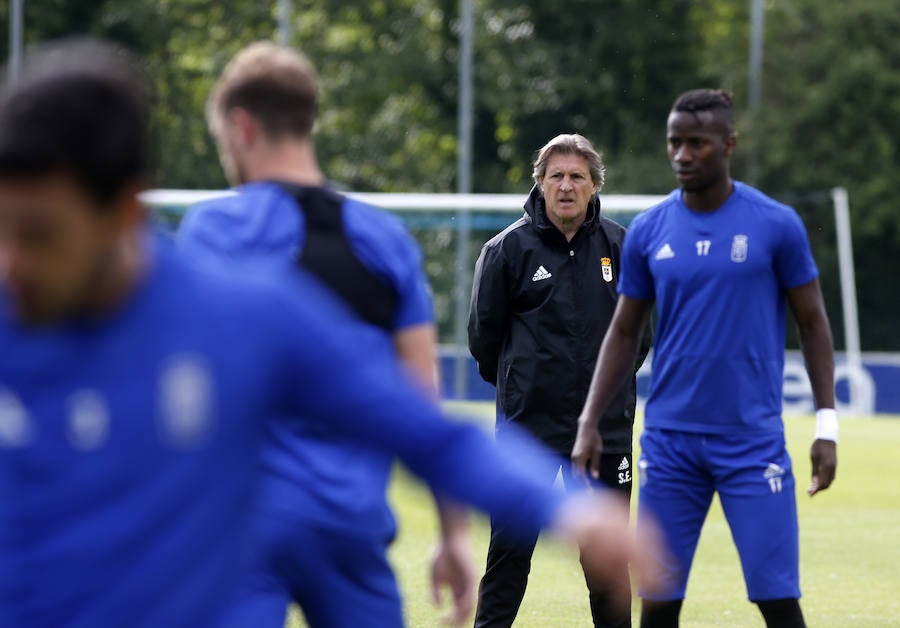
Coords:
134,386
720,260
319,489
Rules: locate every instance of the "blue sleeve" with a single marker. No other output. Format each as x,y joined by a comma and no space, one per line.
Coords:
793,259
635,279
385,246
415,306
366,398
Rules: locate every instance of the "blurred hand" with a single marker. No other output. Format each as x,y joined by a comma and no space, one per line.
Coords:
598,523
452,567
587,450
824,465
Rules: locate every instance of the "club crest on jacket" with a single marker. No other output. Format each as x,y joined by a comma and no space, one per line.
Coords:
606,267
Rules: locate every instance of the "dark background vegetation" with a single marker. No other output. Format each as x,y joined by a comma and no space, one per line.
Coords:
608,69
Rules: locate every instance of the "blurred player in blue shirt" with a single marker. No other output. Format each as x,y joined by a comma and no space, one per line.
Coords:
134,387
721,261
318,488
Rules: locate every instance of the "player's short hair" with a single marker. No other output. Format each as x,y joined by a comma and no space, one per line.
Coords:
278,86
717,100
79,106
570,144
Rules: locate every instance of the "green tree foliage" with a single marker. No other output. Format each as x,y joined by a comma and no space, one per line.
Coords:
830,117
185,42
387,120
389,81
606,68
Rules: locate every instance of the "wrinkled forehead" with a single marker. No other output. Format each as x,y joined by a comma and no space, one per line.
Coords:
567,162
712,122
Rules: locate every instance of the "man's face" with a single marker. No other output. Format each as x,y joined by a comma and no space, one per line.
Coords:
567,188
55,245
231,154
699,146
241,141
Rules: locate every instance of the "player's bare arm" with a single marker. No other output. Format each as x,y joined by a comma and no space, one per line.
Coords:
598,524
808,308
614,364
452,564
415,347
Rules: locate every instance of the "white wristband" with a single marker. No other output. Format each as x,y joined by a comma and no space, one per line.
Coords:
826,424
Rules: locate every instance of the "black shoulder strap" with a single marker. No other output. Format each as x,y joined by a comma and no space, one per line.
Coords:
326,253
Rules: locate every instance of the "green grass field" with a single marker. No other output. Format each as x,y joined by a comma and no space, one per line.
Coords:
850,546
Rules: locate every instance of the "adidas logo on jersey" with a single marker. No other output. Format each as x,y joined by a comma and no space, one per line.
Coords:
665,252
541,273
624,464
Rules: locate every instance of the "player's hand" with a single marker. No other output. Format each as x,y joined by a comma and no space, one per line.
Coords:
598,523
452,567
587,450
824,465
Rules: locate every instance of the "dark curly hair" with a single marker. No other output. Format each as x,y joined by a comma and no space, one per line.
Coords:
716,100
80,106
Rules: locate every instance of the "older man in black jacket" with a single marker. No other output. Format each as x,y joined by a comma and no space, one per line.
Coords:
543,296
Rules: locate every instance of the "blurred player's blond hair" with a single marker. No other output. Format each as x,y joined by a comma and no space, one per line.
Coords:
277,85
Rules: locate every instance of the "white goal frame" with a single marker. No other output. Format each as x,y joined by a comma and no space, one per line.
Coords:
466,204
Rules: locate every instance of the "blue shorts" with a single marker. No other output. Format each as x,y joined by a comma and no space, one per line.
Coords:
679,473
337,580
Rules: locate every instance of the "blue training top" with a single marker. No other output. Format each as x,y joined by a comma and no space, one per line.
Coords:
719,282
128,443
368,258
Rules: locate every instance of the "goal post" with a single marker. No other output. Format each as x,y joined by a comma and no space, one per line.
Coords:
862,398
472,218
176,201
467,216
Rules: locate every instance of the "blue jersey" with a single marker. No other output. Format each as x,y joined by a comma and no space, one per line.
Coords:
368,258
719,282
128,443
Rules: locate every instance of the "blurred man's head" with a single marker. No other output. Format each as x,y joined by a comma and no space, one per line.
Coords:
700,138
73,156
266,94
569,172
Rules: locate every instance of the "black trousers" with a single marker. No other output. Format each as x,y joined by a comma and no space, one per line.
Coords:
509,561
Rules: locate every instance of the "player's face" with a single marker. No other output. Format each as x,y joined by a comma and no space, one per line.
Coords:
230,155
238,138
699,147
567,188
55,245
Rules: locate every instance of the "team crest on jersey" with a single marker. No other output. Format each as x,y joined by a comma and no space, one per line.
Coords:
88,423
15,426
185,401
739,249
606,267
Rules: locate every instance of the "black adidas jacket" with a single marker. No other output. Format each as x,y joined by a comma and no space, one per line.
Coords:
539,310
